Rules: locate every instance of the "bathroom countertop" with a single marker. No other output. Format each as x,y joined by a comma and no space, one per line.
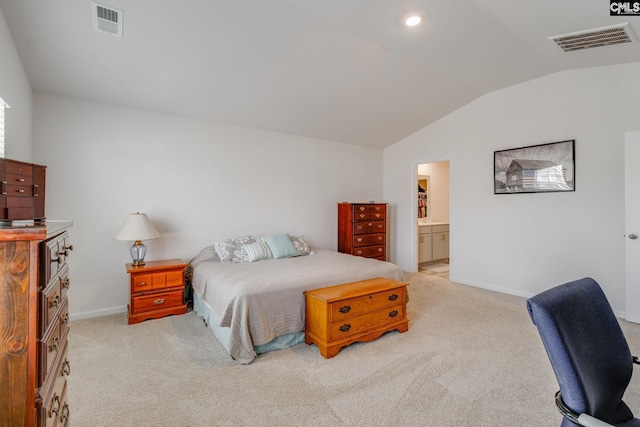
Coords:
420,224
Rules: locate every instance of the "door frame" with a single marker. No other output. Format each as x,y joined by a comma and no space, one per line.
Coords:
414,211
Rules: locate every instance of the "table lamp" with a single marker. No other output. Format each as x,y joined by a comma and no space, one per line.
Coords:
136,228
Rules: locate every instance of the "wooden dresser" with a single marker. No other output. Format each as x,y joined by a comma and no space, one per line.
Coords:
157,289
22,190
340,315
362,229
34,320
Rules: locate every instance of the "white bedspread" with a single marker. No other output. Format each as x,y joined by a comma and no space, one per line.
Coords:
262,300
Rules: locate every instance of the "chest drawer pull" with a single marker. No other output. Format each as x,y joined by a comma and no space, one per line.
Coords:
59,259
345,309
54,408
393,297
394,313
345,327
20,179
55,343
55,302
159,301
3,189
35,190
66,368
65,283
65,319
66,413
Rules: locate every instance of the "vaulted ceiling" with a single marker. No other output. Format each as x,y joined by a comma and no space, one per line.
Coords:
340,70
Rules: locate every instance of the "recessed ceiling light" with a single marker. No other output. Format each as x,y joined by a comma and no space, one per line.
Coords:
413,20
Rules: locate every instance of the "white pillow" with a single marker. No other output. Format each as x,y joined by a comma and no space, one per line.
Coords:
257,251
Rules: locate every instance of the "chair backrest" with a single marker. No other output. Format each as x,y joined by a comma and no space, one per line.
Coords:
587,349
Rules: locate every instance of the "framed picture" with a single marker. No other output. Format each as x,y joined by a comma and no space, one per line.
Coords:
536,169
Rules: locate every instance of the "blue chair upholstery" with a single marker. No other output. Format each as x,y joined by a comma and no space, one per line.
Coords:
587,349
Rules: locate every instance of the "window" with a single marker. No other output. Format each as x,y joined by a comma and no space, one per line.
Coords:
3,106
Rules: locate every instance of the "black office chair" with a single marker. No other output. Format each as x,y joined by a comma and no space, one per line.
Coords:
588,351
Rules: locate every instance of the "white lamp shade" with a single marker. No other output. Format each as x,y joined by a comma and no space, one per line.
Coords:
137,227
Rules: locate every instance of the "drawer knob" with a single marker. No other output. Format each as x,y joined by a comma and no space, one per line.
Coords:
59,259
394,313
393,297
54,408
20,179
55,343
70,247
345,327
143,283
66,368
66,413
159,301
345,309
21,191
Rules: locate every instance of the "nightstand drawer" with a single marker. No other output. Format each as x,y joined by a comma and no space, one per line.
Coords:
144,303
155,281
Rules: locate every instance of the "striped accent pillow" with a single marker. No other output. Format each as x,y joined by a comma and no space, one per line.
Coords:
257,251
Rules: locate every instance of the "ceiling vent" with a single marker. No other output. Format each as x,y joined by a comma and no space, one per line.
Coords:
598,37
106,19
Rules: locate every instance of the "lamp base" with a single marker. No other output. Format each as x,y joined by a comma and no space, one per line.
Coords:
138,251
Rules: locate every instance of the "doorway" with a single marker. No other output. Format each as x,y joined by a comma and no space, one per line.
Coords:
632,226
431,189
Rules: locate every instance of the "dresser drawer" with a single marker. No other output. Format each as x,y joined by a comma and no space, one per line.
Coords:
355,306
356,324
369,239
370,251
53,257
157,301
49,348
54,409
52,298
368,227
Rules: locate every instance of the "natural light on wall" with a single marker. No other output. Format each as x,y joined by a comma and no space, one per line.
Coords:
3,106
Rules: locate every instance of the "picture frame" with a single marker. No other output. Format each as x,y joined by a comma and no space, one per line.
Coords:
540,168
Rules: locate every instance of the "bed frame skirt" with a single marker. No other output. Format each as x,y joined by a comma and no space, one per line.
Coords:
203,309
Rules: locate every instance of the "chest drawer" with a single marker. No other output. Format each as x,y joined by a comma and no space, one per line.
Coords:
348,308
367,227
368,212
151,302
370,251
50,350
369,239
355,325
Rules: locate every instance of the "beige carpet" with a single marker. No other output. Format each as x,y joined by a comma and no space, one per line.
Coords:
471,358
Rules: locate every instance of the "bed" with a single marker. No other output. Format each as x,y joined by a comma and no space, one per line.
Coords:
256,307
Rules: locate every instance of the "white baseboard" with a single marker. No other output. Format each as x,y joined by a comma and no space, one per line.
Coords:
98,313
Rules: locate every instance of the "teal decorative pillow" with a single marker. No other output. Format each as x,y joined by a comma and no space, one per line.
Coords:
257,251
281,246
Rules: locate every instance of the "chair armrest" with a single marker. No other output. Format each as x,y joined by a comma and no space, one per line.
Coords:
635,360
579,419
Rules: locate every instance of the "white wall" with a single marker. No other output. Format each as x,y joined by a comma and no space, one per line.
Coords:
524,243
16,91
198,181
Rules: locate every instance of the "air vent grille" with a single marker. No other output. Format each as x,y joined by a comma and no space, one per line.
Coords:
107,19
598,37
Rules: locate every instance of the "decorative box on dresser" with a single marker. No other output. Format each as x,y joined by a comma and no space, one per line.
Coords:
34,320
157,289
362,229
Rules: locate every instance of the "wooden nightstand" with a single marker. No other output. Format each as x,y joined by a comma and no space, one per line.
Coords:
157,290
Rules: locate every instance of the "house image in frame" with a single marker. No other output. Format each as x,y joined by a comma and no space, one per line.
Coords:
535,175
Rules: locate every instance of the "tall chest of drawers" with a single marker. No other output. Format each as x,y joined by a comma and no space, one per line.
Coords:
34,362
362,229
